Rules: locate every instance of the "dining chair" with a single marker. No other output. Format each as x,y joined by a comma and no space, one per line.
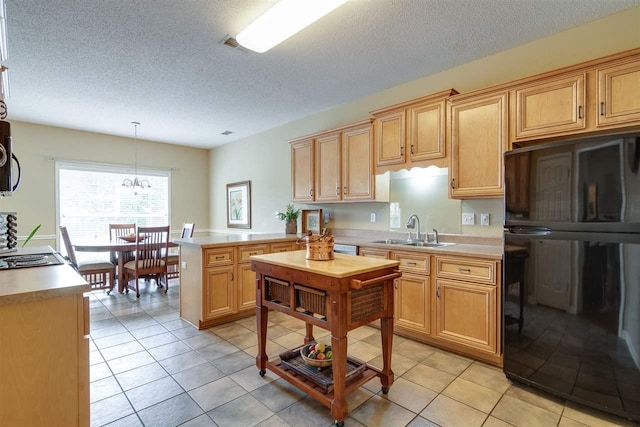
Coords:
150,258
173,269
99,274
121,230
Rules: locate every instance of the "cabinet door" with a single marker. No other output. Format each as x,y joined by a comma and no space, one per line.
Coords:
390,135
466,314
219,298
619,94
550,107
478,134
413,302
357,160
328,168
246,287
302,171
427,131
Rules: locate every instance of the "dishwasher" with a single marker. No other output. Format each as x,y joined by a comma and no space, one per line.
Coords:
345,249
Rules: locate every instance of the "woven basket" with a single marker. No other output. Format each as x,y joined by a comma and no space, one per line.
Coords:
319,247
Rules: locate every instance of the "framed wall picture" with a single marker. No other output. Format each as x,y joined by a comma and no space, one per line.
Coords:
239,205
311,221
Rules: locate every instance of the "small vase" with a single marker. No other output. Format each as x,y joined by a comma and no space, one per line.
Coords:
291,226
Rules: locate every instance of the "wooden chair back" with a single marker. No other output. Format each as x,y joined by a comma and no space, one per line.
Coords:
120,230
68,246
187,230
151,251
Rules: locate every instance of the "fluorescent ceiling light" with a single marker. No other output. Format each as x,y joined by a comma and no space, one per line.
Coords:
283,20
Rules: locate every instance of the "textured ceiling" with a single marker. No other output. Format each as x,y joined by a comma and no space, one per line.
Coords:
97,65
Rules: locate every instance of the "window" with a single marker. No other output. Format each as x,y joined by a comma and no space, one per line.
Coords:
91,196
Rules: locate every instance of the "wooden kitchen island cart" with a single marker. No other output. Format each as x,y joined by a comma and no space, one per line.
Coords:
337,295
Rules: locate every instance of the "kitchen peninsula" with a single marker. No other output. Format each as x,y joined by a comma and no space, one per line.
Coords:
216,281
44,346
337,295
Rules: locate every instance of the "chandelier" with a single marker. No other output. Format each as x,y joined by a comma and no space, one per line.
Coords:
136,184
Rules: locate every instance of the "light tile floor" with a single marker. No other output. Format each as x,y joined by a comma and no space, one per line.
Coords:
149,368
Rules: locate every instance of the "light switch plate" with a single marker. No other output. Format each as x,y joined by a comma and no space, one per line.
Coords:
373,217
468,219
484,219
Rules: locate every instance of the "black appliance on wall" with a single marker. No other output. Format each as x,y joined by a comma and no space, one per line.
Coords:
7,157
571,279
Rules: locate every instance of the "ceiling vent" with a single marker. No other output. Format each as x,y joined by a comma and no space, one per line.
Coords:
227,132
233,43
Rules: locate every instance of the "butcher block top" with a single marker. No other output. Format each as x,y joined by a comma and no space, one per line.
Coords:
342,266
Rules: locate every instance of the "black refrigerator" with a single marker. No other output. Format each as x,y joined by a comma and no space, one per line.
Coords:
571,279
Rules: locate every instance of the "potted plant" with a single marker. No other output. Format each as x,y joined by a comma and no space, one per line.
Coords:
291,218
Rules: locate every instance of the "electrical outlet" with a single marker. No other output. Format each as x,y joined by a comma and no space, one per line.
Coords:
484,219
373,217
184,265
468,219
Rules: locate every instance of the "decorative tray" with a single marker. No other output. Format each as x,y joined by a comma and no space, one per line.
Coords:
322,377
131,239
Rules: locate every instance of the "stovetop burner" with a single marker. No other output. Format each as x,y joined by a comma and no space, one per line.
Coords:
30,260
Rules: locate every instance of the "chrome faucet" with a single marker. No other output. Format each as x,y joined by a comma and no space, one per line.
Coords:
437,238
411,223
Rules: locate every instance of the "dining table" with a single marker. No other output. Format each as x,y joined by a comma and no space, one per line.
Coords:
118,246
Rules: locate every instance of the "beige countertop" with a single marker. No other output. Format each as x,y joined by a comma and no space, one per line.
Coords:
473,246
222,239
340,267
36,283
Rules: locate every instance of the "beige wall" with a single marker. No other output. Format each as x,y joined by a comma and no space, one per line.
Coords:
36,146
265,159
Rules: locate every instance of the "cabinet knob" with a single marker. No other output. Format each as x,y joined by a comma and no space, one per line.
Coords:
344,190
602,108
464,270
453,183
438,291
411,148
579,111
337,191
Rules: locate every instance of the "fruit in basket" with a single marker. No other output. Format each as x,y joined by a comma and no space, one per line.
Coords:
320,347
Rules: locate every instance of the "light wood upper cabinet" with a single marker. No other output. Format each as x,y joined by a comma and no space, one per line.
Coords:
551,106
427,126
302,170
357,163
478,133
412,133
390,138
618,94
328,168
341,164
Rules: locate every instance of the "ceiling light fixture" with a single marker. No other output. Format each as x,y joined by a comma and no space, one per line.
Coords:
283,20
136,185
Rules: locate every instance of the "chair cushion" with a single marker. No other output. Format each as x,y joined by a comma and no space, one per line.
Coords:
95,265
131,265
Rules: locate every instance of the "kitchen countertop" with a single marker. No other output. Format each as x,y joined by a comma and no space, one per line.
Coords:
478,247
223,239
341,266
37,283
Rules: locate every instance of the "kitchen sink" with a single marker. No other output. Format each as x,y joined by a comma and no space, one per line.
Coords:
428,244
409,243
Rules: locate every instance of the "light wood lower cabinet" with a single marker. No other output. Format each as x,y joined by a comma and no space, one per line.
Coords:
44,362
217,284
219,298
466,314
448,301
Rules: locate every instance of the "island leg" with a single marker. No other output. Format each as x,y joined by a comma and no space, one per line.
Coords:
386,374
309,333
262,314
338,322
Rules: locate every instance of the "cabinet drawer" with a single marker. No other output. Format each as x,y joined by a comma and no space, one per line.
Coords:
244,252
417,263
478,271
284,247
216,257
373,253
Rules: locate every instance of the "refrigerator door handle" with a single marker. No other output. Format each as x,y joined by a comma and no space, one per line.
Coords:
530,231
